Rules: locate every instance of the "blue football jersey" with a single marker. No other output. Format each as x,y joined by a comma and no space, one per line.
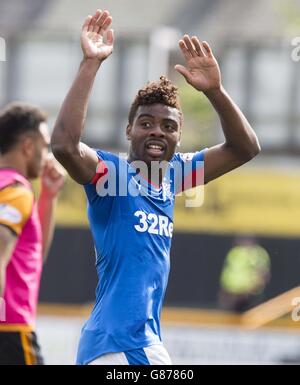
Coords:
132,234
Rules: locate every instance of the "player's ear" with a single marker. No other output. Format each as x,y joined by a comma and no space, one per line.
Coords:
128,132
28,147
179,139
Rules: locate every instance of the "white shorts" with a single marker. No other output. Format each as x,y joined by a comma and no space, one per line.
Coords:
152,355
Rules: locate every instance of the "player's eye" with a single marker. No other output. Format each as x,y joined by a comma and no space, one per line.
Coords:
170,128
146,124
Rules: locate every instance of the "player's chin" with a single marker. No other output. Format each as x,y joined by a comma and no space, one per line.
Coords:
148,159
38,172
155,156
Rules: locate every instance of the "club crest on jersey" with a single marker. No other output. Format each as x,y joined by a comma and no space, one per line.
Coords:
10,214
167,193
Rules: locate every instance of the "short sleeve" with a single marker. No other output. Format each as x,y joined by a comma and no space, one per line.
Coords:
188,170
107,169
16,203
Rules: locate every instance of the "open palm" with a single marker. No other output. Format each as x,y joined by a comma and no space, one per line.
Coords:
92,38
202,70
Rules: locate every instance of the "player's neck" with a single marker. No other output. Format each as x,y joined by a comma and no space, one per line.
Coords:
153,172
11,161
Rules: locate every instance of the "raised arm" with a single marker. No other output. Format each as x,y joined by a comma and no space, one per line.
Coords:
97,45
203,73
51,183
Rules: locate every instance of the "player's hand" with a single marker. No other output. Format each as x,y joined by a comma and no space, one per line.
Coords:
202,70
53,177
97,41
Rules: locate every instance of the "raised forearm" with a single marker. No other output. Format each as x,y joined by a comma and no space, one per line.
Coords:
71,119
46,209
238,133
78,159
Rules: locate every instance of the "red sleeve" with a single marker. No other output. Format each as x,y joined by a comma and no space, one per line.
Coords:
100,172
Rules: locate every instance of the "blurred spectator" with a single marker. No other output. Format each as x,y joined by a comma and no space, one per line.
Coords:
245,274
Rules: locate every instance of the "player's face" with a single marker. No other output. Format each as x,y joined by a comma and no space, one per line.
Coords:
40,152
155,133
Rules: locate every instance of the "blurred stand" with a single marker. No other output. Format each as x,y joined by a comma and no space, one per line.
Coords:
162,42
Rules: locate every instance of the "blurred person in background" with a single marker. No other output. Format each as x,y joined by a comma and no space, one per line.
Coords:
245,274
132,234
26,226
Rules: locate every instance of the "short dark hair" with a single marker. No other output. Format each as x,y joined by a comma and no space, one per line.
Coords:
162,91
17,119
